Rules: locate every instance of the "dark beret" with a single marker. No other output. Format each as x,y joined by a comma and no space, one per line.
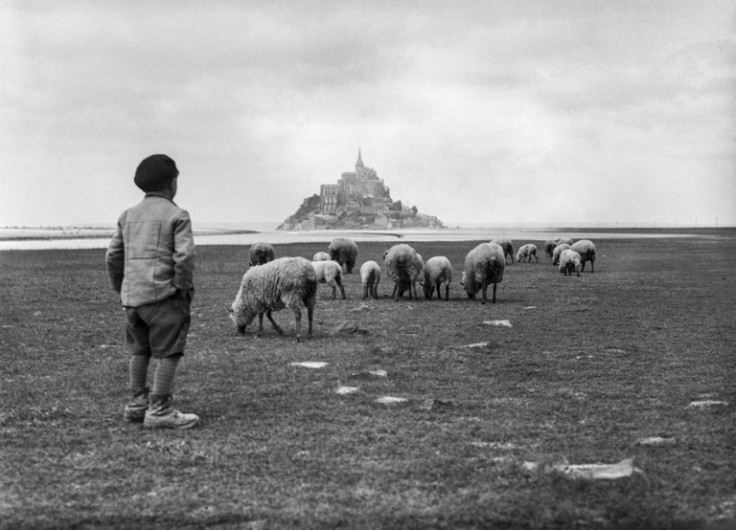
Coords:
155,172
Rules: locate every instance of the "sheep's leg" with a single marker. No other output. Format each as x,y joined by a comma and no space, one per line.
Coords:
334,289
484,290
298,323
591,266
447,291
259,333
394,293
273,323
494,293
375,291
365,291
338,280
310,316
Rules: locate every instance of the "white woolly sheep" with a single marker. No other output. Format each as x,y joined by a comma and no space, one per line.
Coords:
565,241
284,282
260,253
437,270
321,256
344,251
404,266
586,249
549,246
569,262
483,265
507,245
557,251
370,276
527,252
329,272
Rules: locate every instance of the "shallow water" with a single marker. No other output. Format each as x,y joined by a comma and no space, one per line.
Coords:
316,236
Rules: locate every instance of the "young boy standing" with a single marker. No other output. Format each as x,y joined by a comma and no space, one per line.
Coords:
150,261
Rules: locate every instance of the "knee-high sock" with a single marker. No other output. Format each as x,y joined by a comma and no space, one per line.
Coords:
138,369
163,381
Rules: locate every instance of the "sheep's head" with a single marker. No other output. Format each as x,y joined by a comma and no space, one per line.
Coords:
241,316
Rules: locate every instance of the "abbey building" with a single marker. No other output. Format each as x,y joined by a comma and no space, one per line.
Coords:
359,200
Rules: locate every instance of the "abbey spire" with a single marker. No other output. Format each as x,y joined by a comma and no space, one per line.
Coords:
359,163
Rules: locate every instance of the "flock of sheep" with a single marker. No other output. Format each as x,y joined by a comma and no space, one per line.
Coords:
271,283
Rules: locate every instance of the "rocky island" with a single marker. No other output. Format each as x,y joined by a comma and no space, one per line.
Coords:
358,201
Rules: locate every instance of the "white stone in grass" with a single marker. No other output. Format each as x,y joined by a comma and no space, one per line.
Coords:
706,403
477,345
378,373
347,389
309,364
622,469
530,307
655,441
530,466
390,400
504,323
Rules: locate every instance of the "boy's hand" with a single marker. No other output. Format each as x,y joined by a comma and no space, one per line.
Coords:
185,294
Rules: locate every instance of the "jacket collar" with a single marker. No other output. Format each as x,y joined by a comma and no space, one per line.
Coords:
158,194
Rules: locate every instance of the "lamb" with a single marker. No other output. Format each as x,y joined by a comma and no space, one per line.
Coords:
483,265
508,247
283,282
370,276
403,266
329,272
549,246
321,256
526,252
260,253
569,261
557,251
344,251
437,270
586,249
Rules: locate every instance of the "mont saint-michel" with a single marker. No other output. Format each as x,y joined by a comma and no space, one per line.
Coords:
359,200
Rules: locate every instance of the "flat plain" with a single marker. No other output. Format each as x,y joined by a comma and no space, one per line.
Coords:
635,361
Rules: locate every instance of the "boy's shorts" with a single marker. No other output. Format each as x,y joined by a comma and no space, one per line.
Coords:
159,329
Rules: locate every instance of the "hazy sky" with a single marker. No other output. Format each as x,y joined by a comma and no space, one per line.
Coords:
554,112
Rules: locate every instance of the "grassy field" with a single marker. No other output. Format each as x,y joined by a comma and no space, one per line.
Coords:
588,367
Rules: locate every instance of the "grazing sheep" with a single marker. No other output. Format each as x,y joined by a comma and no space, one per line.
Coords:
569,262
260,253
344,251
483,265
549,246
586,249
437,270
508,247
403,266
321,256
370,276
284,282
557,251
565,241
329,272
526,252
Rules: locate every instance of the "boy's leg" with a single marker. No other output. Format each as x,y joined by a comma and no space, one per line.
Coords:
136,408
161,413
169,326
136,338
